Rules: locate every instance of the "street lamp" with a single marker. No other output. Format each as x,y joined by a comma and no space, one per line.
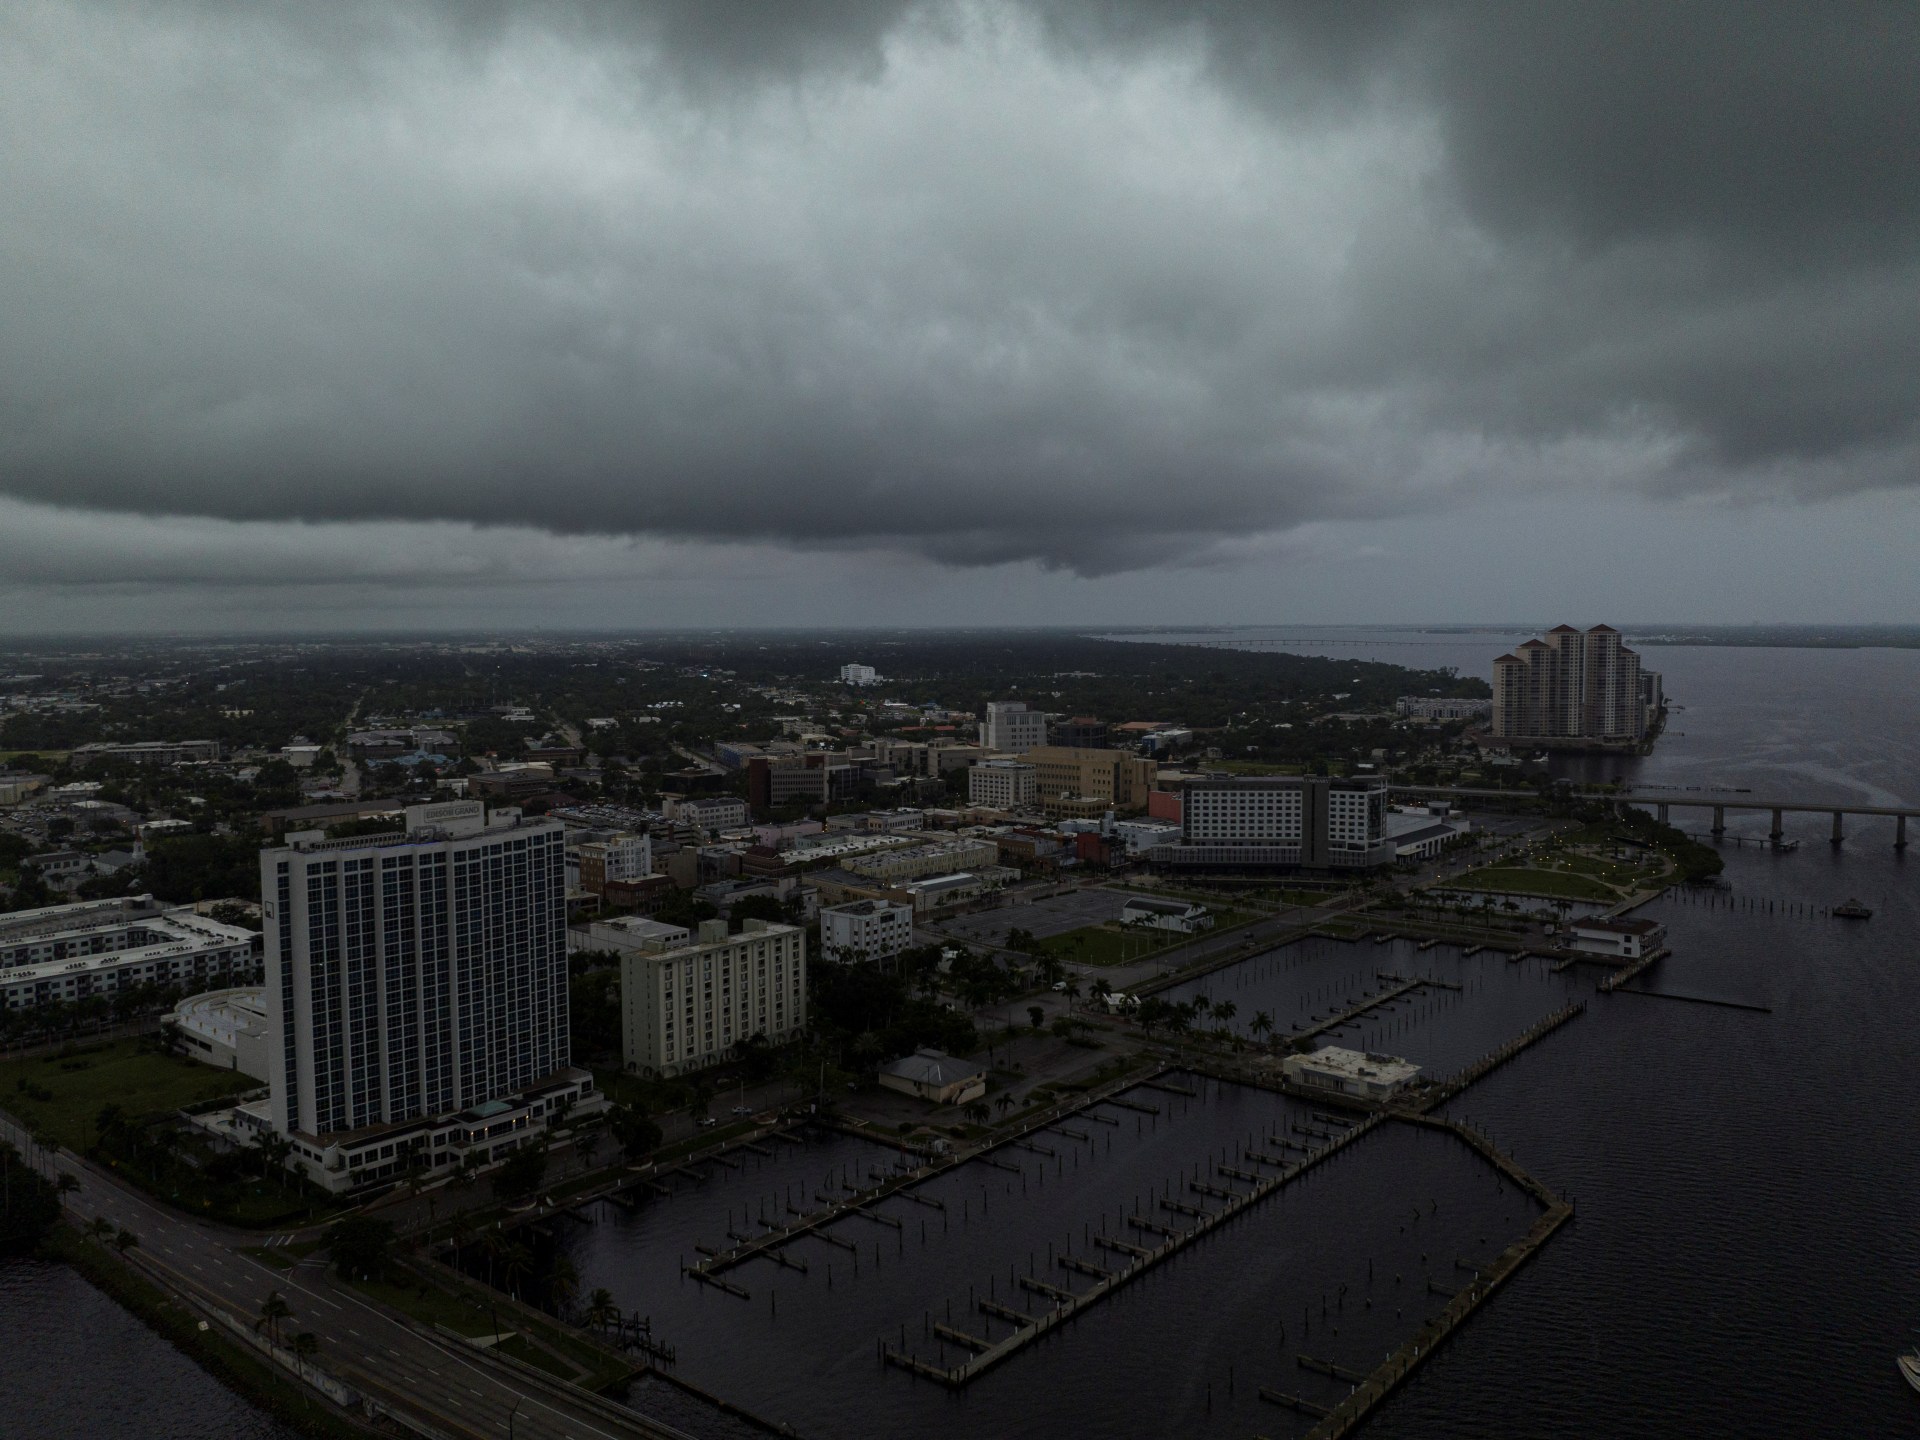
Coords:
510,1414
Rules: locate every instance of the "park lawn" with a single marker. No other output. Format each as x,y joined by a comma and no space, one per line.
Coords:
1099,945
1552,884
142,1081
434,1307
466,1313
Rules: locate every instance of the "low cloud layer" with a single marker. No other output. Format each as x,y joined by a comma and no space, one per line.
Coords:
1097,286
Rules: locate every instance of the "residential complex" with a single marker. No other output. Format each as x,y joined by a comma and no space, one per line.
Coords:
416,993
859,675
1282,821
102,947
690,1004
1011,728
1573,689
865,930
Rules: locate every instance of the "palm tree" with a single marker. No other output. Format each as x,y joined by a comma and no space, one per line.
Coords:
306,1345
495,1243
515,1266
601,1311
563,1283
1225,1011
100,1228
125,1240
1261,1024
64,1186
273,1310
978,1112
1004,1103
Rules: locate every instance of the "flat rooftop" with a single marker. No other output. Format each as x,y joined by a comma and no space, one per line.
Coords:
1362,1065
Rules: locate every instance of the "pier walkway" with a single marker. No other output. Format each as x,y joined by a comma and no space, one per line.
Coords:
1069,1304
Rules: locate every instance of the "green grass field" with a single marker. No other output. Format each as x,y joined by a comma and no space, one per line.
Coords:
142,1081
1551,884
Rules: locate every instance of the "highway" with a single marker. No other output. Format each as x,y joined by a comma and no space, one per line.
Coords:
456,1391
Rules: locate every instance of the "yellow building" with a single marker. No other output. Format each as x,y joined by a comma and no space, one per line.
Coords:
1118,779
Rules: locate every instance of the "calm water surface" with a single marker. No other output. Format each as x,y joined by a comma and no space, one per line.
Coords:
1744,1262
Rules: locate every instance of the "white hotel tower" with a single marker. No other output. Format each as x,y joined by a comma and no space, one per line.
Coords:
416,992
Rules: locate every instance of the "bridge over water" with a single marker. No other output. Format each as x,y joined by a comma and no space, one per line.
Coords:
1663,803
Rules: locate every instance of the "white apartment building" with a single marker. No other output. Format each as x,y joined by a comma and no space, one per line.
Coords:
1280,821
416,993
865,930
101,947
859,675
689,1006
1002,784
1013,729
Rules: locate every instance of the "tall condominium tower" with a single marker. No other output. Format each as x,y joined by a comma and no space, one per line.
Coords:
414,977
1581,687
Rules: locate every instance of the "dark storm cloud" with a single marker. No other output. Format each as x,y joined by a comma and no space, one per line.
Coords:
1099,285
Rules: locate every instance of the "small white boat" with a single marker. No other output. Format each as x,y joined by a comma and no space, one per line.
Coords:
1910,1367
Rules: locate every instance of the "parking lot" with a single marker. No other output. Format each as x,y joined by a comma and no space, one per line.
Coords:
1043,918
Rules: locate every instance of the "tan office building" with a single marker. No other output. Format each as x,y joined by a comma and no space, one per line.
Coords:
1119,779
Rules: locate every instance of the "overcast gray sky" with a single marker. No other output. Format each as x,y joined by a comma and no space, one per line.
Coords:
635,314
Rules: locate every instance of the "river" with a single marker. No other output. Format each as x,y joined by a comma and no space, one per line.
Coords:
1744,1259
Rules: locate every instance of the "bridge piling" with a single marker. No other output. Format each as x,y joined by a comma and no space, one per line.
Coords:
1839,833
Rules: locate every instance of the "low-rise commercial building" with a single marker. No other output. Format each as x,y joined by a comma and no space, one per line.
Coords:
690,1006
1359,1073
914,862
943,890
933,1076
226,1029
1442,707
1423,836
1620,939
865,930
148,752
711,812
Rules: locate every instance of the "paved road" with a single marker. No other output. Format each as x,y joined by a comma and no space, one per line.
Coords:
458,1391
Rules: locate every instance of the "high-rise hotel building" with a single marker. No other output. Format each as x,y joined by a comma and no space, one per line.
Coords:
1280,822
416,993
1573,688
